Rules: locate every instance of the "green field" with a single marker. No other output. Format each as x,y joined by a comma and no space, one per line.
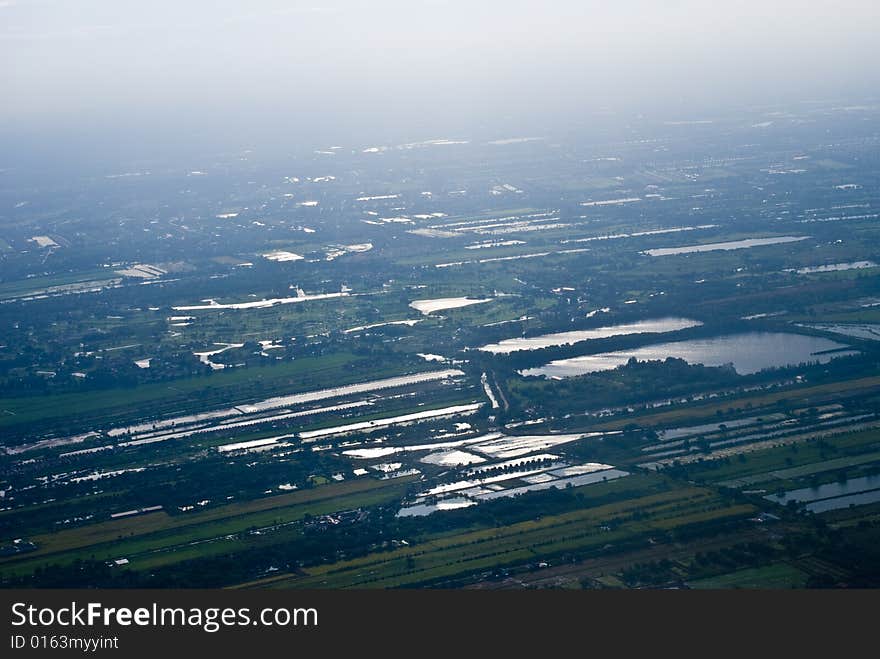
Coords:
226,388
780,575
144,534
782,462
580,530
20,288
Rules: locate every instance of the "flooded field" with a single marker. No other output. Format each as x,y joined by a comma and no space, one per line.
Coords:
282,256
452,458
858,330
836,267
573,481
733,244
213,305
515,257
375,424
690,431
245,414
452,503
860,499
748,353
205,357
658,325
362,328
640,234
440,304
828,490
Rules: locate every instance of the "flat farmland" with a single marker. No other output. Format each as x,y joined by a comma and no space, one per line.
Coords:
154,531
227,388
581,530
780,575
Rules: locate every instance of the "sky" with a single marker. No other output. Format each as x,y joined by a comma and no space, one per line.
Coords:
219,69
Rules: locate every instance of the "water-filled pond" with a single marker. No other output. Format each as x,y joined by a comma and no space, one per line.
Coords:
749,353
657,325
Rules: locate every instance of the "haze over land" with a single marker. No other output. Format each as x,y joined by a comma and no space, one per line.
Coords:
102,78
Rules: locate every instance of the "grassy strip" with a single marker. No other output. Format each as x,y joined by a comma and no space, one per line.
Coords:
805,470
152,523
518,542
26,286
202,540
779,575
782,457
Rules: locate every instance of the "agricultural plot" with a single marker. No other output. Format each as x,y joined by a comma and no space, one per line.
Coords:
546,538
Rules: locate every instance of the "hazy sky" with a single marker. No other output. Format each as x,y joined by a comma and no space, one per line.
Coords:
220,66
